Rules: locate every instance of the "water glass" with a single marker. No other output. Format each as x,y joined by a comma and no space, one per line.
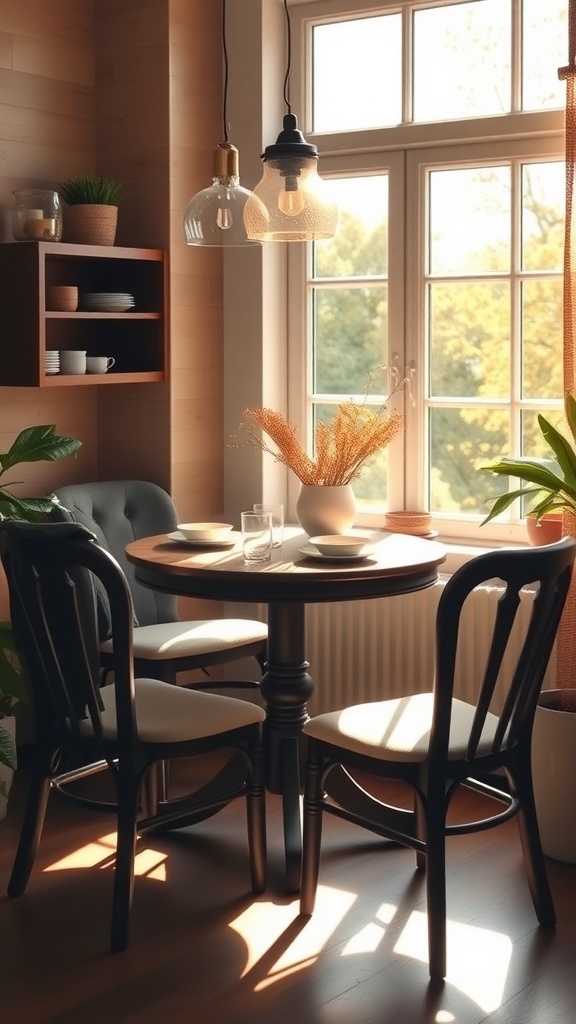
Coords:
277,513
256,536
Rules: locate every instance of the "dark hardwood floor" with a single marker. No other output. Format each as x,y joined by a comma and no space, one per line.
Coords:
204,949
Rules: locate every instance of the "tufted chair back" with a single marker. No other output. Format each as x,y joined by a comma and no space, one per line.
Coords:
119,511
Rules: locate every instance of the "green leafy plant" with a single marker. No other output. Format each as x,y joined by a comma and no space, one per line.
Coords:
34,444
86,189
552,481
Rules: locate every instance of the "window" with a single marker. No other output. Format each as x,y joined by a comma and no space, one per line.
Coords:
440,128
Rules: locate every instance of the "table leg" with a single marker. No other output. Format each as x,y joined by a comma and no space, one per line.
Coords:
286,686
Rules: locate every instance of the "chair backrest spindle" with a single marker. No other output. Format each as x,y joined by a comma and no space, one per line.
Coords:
548,571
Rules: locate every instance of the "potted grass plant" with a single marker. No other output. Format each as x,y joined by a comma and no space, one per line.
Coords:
91,211
34,444
550,486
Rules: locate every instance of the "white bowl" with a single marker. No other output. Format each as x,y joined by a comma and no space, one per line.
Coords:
204,531
339,544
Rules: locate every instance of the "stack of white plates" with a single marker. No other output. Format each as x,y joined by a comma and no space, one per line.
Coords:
52,362
107,302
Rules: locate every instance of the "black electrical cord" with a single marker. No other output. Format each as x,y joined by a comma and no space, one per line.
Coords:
288,59
225,125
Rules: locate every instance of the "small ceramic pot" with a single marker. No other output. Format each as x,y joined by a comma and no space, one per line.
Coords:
546,530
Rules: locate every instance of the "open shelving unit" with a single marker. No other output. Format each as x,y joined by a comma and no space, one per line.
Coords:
137,339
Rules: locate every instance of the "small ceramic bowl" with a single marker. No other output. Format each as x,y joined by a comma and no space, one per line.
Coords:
205,531
339,544
416,523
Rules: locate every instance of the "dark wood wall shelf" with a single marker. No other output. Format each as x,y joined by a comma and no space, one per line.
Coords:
137,339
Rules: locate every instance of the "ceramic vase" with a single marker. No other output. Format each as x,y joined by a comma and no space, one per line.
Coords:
8,722
553,768
325,510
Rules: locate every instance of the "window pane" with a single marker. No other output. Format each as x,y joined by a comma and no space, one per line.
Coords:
360,246
461,441
357,74
462,60
545,42
350,329
370,488
533,444
542,339
469,212
543,190
470,339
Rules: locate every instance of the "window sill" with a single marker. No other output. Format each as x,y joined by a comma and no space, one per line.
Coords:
458,553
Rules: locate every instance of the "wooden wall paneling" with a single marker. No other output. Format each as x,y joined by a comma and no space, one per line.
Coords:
132,71
47,132
196,306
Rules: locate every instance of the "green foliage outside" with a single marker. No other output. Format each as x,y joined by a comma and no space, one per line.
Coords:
470,350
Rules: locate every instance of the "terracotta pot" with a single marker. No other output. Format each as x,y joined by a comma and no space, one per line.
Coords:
546,530
325,510
90,224
553,769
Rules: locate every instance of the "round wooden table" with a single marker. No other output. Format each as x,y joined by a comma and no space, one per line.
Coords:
400,564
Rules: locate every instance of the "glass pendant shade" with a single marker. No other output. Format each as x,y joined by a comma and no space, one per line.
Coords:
290,203
215,216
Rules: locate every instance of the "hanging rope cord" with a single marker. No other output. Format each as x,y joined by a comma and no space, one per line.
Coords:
566,640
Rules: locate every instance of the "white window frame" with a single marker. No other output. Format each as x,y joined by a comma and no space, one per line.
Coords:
406,150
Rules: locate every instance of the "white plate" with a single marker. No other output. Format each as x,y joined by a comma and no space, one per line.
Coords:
311,552
105,308
179,538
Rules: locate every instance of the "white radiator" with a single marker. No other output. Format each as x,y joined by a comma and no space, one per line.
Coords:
370,650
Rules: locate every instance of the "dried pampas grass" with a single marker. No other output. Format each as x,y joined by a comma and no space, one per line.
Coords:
342,446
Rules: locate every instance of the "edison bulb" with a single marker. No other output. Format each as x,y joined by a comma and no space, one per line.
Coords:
290,200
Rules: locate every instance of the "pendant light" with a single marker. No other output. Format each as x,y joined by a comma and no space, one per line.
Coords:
215,215
290,203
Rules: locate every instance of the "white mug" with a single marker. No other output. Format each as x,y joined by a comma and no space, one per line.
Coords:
72,361
99,364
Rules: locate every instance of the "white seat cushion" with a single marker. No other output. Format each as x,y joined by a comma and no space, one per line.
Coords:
182,639
166,713
398,730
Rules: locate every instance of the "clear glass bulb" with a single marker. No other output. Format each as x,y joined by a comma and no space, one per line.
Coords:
224,218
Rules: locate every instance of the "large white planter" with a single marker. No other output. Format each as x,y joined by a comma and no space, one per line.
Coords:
6,774
325,510
553,770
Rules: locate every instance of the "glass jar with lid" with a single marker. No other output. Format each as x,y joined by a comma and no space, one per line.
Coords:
36,215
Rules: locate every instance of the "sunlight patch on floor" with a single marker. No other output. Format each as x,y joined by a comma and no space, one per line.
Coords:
262,925
369,938
478,958
101,853
88,856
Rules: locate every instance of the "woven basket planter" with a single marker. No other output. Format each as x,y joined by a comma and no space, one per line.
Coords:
90,224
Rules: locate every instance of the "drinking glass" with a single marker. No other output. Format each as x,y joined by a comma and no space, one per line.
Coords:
277,513
256,536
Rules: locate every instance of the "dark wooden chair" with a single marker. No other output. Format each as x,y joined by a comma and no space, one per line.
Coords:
435,742
133,724
119,511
